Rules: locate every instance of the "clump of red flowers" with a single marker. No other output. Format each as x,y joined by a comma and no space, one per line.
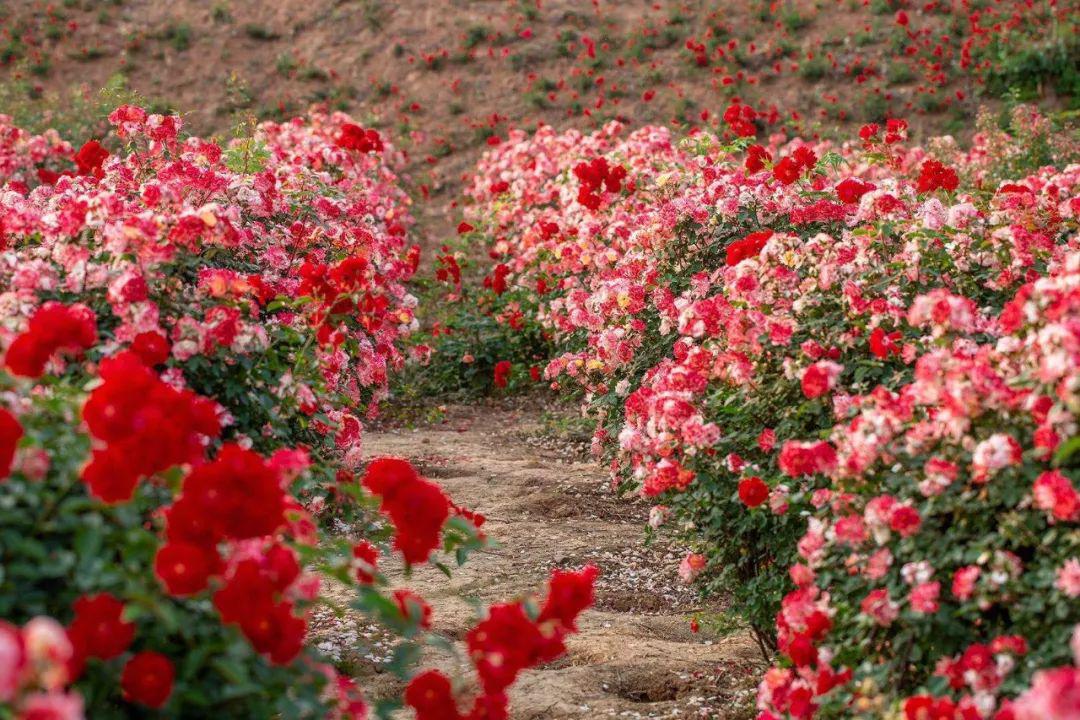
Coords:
354,137
792,167
883,344
496,281
365,562
806,458
748,247
740,118
413,607
849,190
595,177
756,157
502,373
895,131
417,507
90,158
508,641
935,176
53,328
254,598
142,426
238,496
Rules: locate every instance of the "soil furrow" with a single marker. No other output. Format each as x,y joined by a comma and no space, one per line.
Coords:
636,656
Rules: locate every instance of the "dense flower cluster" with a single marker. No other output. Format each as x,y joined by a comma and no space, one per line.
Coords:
190,338
143,425
848,368
417,507
52,328
508,641
125,242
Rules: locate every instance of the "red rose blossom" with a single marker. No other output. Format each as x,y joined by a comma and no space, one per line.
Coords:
147,679
98,629
53,328
10,434
502,373
184,568
417,507
753,491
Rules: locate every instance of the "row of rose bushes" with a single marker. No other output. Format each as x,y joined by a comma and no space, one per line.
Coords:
191,336
846,373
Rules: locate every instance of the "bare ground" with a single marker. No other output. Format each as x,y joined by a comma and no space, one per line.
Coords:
636,656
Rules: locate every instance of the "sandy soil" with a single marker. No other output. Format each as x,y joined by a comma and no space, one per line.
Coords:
636,656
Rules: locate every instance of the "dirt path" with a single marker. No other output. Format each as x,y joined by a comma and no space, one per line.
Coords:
636,656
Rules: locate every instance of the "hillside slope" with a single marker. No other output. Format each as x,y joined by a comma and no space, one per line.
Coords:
442,77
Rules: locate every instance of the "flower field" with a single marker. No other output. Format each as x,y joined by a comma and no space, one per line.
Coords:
193,338
540,360
843,372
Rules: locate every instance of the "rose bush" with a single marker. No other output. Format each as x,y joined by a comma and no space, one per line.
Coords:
190,339
828,365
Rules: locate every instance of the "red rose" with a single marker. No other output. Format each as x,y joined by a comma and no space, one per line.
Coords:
934,176
147,679
753,491
365,560
756,157
146,425
895,130
569,593
354,137
98,629
386,473
417,507
921,707
431,696
850,190
183,568
10,433
787,171
239,492
748,247
109,478
807,458
805,157
151,347
275,631
815,382
905,520
53,327
507,642
418,513
249,599
883,344
502,373
802,652
90,157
